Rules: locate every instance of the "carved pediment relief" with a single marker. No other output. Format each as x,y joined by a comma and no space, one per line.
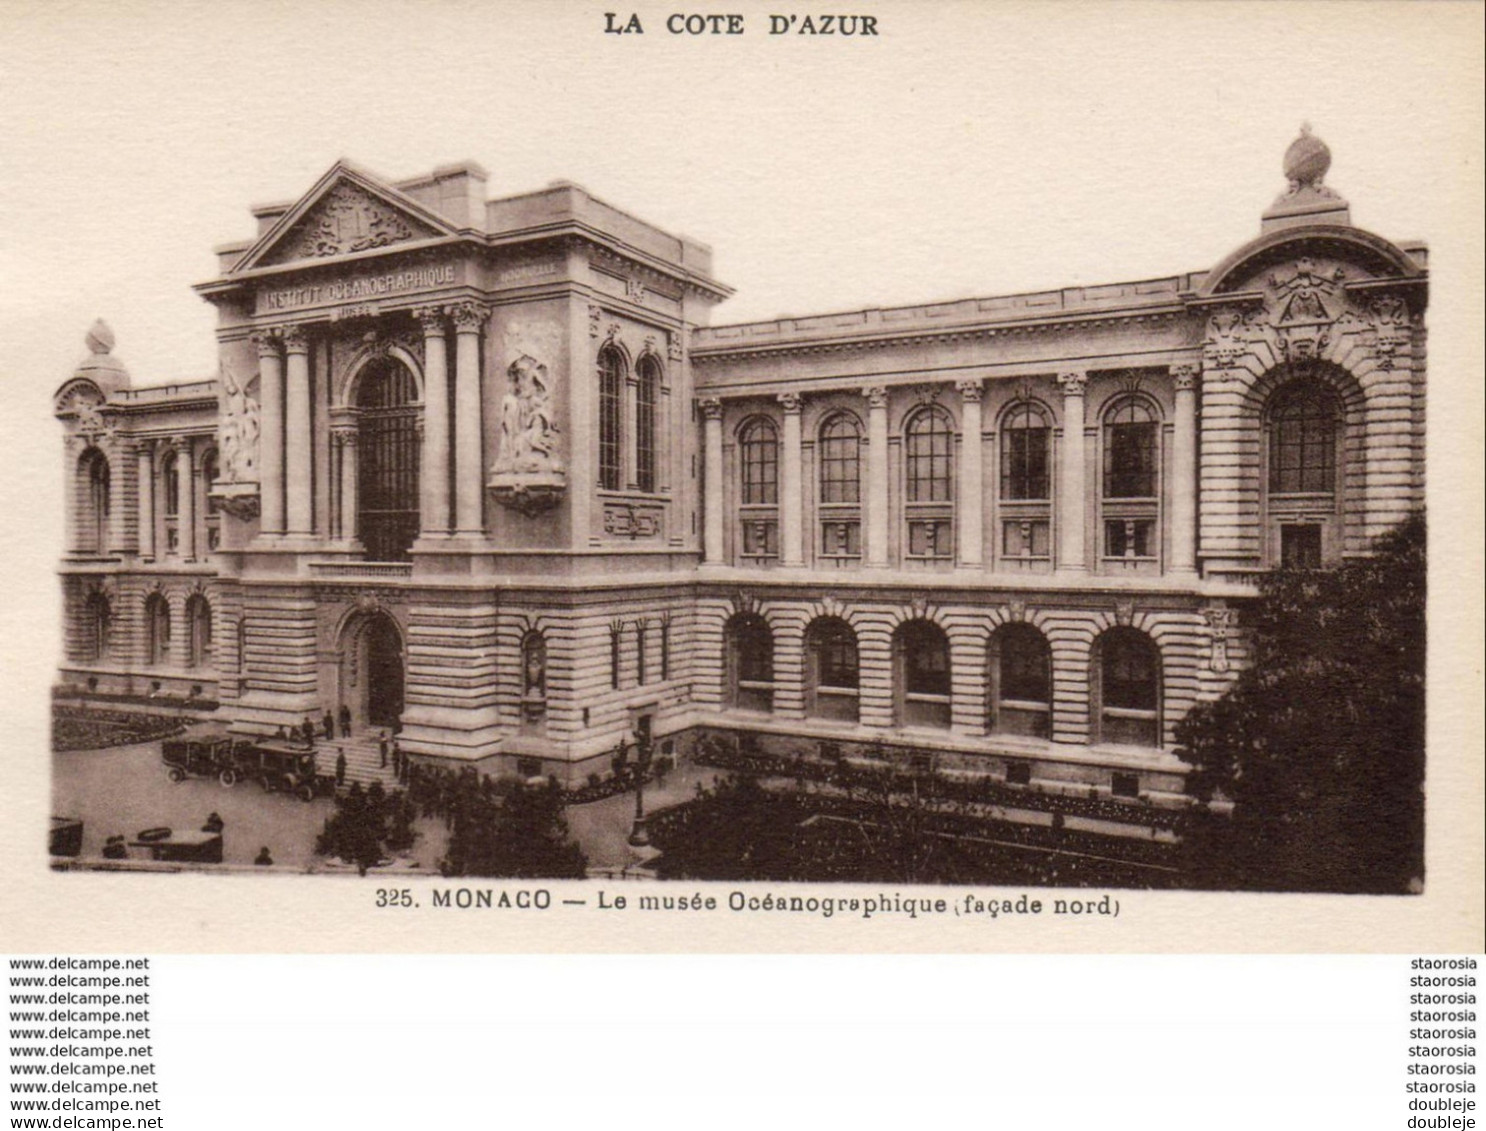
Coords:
346,218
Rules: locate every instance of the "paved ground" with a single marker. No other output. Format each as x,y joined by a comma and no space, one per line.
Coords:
123,789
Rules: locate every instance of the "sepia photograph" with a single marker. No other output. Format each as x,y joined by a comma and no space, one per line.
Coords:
578,476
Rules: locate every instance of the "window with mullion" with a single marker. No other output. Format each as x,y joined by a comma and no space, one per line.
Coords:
647,392
760,452
611,417
1024,454
1303,444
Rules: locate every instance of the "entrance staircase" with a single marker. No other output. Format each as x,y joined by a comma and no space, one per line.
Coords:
363,760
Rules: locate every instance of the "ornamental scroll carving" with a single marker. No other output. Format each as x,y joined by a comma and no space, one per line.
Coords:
527,474
345,220
1390,326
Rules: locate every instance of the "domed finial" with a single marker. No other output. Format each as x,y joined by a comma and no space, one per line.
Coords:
100,338
1307,159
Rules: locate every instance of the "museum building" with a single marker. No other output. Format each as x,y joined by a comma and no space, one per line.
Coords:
482,470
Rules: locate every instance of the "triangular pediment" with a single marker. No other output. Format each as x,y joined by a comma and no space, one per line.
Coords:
346,212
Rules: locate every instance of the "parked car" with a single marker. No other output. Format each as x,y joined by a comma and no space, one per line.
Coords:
289,770
171,847
198,757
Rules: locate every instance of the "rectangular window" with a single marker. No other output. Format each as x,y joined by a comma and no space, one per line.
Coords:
1126,785
930,538
1300,545
1018,773
1130,538
1025,538
665,649
615,634
1130,461
640,634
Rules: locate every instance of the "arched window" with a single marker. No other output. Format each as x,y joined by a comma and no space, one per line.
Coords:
928,460
647,397
839,454
921,655
199,628
388,454
1127,679
1303,426
94,509
611,418
1132,460
172,484
750,663
833,677
533,677
209,509
157,629
97,626
1021,681
1302,440
1024,453
758,447
1026,486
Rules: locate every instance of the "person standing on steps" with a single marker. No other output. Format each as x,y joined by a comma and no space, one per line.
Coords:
345,718
382,749
340,769
327,724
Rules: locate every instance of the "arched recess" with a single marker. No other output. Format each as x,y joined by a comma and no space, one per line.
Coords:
97,626
199,631
1125,688
748,663
838,458
832,670
1019,681
929,485
92,501
1310,464
372,676
157,629
921,670
388,455
649,379
758,489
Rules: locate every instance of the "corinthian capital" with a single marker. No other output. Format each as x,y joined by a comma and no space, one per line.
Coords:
296,340
1073,384
1184,378
971,391
791,402
469,316
876,396
431,318
266,341
711,408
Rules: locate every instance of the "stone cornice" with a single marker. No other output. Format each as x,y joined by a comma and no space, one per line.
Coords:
862,342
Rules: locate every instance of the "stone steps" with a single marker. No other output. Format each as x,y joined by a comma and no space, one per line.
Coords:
363,761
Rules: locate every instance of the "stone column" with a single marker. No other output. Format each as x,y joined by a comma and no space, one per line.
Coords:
971,503
791,460
146,474
185,478
298,446
1184,471
876,503
469,463
118,480
712,468
271,435
433,473
350,502
1071,493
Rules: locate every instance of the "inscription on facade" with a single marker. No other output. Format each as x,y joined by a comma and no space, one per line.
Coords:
355,290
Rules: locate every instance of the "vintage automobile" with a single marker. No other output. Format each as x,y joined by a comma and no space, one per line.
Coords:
199,757
66,837
170,847
289,769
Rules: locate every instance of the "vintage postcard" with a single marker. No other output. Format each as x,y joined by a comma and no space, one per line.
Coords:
944,476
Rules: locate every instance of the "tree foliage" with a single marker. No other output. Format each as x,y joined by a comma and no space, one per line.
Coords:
1320,742
513,830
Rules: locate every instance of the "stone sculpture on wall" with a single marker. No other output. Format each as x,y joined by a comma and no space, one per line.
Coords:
237,444
528,474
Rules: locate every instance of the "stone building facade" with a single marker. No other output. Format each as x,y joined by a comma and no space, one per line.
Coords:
483,471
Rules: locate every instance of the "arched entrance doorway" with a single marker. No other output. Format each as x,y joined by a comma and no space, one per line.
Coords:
373,674
387,468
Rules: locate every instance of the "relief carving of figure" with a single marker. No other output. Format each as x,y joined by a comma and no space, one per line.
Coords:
528,437
237,434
